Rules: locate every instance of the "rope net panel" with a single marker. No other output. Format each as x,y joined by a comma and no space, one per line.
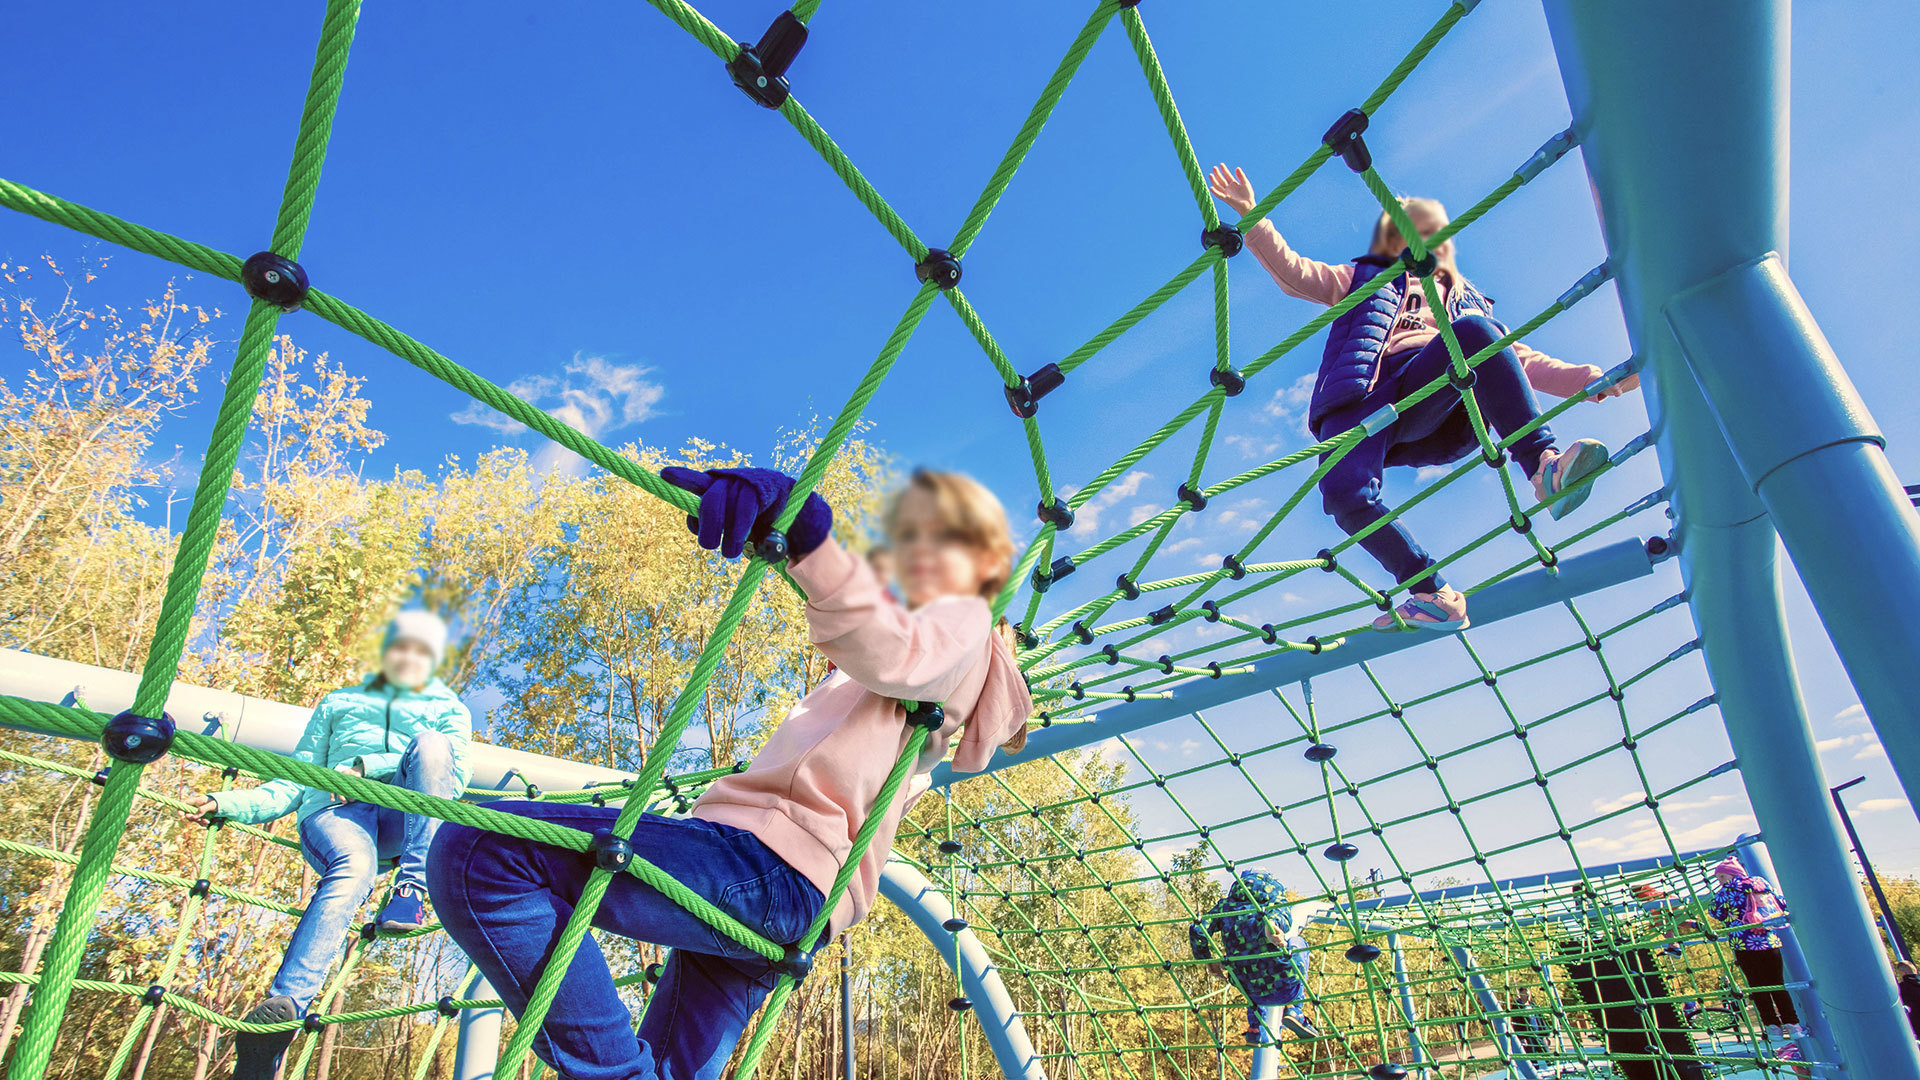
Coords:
1481,750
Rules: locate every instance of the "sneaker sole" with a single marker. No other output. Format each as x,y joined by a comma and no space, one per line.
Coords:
1588,458
257,1055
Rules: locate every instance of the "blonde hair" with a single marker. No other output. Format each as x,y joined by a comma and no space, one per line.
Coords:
1387,240
973,516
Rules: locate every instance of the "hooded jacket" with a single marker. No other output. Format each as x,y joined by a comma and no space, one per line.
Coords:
1253,914
814,783
368,725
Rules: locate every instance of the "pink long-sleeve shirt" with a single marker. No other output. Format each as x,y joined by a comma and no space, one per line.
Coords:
813,784
1324,283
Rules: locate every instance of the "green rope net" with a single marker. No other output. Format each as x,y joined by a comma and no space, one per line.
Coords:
1082,902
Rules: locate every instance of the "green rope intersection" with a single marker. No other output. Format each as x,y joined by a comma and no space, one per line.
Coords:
94,863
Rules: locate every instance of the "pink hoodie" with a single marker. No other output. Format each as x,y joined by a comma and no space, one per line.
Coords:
812,785
1324,283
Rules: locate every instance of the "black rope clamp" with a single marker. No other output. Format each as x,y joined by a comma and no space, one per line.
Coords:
1111,654
312,1024
1462,383
760,69
1127,587
1344,139
1083,632
954,926
1225,237
1062,567
1161,616
1026,638
155,994
939,267
137,740
1363,952
1387,1070
368,931
1232,565
1341,852
1079,694
928,715
1327,555
1057,514
1212,608
100,777
1320,751
610,852
1195,499
1024,399
1268,634
1423,267
275,279
200,888
1166,664
1229,380
950,847
445,1006
1127,693
795,964
655,972
772,548
1214,672
959,1004
1520,523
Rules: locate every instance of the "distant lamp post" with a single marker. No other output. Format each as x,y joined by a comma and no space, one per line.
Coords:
1886,910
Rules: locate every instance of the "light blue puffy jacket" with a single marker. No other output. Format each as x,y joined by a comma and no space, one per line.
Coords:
369,724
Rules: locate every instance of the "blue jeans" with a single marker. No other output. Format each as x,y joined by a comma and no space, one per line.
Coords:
345,844
505,901
1351,489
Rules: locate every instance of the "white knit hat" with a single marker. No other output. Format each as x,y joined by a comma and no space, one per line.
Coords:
420,627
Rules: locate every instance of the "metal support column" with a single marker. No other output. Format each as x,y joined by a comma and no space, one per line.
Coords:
478,1049
1503,1036
1753,855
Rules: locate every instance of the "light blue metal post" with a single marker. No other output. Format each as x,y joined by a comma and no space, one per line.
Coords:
912,893
1753,855
1267,1055
1419,1050
1503,1037
1681,107
478,1049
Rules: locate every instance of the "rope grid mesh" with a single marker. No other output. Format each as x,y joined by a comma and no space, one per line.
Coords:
1064,894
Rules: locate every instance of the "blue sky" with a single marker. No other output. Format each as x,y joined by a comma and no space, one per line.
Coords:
574,202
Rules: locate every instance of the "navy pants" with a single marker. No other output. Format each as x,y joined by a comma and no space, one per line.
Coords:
506,901
1351,489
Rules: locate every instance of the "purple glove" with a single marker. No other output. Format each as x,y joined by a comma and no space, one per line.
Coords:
738,507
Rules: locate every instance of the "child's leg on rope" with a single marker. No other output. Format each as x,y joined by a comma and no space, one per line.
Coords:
1351,494
1500,387
506,901
339,843
426,767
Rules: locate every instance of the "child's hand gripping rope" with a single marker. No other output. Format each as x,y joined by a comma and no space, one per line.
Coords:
739,506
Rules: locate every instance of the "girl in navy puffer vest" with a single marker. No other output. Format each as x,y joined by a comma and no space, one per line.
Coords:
1388,346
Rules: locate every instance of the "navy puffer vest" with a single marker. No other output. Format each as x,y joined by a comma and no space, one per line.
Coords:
1357,339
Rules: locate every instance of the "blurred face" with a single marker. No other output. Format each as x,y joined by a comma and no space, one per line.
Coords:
931,561
883,566
407,664
1429,223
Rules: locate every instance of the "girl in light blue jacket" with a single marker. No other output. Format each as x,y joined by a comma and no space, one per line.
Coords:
401,726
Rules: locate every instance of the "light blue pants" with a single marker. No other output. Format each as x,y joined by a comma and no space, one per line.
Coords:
345,844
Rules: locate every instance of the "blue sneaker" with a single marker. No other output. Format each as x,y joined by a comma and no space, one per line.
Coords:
405,911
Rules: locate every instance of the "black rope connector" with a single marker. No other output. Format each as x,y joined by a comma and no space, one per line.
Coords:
100,777
1344,139
1363,953
200,888
1341,852
1229,380
1520,523
1078,693
1657,547
1214,672
772,548
1225,237
1234,568
1024,398
929,715
275,279
1127,693
1127,587
1387,1070
960,1004
1496,461
1326,554
1419,267
1027,640
939,267
954,925
1459,382
231,772
1166,664
1212,608
795,964
137,740
1044,579
760,70
444,1006
655,972
1057,514
1161,616
533,791
1110,654
1268,634
368,931
1321,752
312,1025
1314,645
155,994
610,852
1195,499
1083,632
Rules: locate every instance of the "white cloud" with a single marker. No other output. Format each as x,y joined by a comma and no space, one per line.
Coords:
592,394
1428,473
1180,545
1875,806
1871,753
1141,513
1851,715
1839,742
1254,446
1088,515
1289,404
1188,746
1648,838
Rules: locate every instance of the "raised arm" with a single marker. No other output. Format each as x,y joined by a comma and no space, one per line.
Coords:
1297,275
919,655
277,798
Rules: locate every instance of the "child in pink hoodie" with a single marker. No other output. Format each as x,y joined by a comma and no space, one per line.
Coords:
763,845
1388,346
